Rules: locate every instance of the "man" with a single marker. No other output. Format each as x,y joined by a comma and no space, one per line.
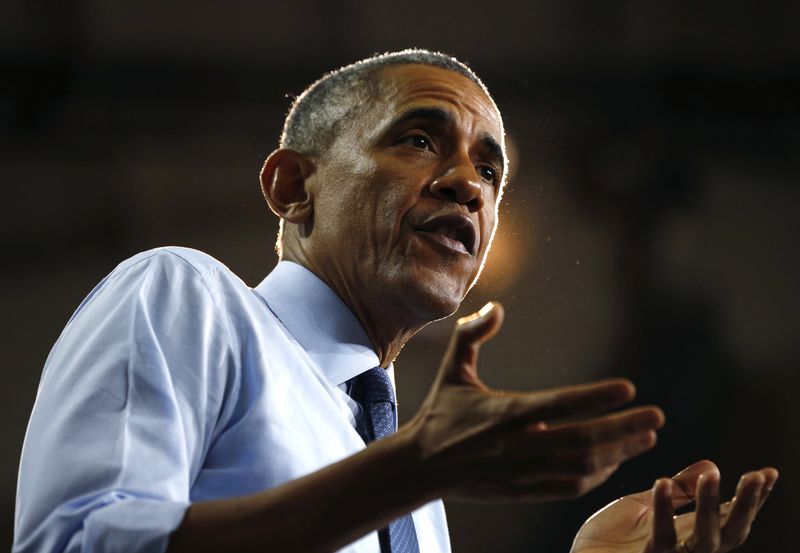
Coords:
181,409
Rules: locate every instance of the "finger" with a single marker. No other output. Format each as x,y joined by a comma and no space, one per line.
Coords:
770,478
537,463
470,333
483,324
609,428
743,510
563,487
706,536
597,459
571,401
664,537
686,482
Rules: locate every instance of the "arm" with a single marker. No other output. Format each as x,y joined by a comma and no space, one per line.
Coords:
645,523
133,391
127,403
466,442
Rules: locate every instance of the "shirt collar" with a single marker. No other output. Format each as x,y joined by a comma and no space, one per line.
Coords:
319,320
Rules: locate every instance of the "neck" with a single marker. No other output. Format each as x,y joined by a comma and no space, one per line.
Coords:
388,322
387,325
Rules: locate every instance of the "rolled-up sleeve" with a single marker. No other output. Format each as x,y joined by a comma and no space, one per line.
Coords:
127,407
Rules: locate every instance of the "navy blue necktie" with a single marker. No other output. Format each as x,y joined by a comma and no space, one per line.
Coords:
373,390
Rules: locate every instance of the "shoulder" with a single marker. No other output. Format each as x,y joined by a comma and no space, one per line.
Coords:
189,259
177,268
165,277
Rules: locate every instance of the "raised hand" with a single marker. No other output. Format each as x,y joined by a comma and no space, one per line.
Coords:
645,523
487,445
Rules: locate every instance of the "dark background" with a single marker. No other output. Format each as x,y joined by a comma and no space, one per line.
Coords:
649,231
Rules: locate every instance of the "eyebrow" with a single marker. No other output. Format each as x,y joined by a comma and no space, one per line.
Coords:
443,117
436,115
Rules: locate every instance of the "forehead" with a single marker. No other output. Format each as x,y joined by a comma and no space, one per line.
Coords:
405,87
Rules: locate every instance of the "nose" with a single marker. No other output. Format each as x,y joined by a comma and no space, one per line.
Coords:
461,184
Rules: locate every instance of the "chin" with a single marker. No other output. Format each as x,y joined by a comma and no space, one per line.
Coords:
430,301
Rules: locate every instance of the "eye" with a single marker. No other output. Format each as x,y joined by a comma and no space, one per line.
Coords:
487,173
418,141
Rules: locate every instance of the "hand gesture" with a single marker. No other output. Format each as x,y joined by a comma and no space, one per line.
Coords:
644,522
486,445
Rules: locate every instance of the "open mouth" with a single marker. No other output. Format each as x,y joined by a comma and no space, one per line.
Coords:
455,231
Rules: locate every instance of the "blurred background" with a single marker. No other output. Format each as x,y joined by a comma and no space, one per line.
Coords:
649,231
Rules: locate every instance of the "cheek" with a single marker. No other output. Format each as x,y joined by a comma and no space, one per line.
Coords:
371,198
372,215
393,197
489,219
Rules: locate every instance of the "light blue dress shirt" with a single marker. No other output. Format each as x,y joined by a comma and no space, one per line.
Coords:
175,382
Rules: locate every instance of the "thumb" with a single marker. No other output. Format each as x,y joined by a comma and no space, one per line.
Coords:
461,361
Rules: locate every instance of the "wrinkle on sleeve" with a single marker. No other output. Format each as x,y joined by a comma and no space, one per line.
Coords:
126,409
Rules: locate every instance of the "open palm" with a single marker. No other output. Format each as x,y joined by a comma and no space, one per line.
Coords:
645,523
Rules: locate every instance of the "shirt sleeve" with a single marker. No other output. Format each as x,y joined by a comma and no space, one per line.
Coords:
126,409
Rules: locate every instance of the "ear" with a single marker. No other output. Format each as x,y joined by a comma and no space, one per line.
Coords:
283,181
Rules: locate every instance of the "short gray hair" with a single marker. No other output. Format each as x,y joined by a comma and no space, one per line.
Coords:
317,115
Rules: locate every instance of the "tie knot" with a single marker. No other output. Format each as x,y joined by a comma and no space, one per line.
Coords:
376,386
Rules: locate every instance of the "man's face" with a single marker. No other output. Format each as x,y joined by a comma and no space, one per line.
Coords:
405,201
